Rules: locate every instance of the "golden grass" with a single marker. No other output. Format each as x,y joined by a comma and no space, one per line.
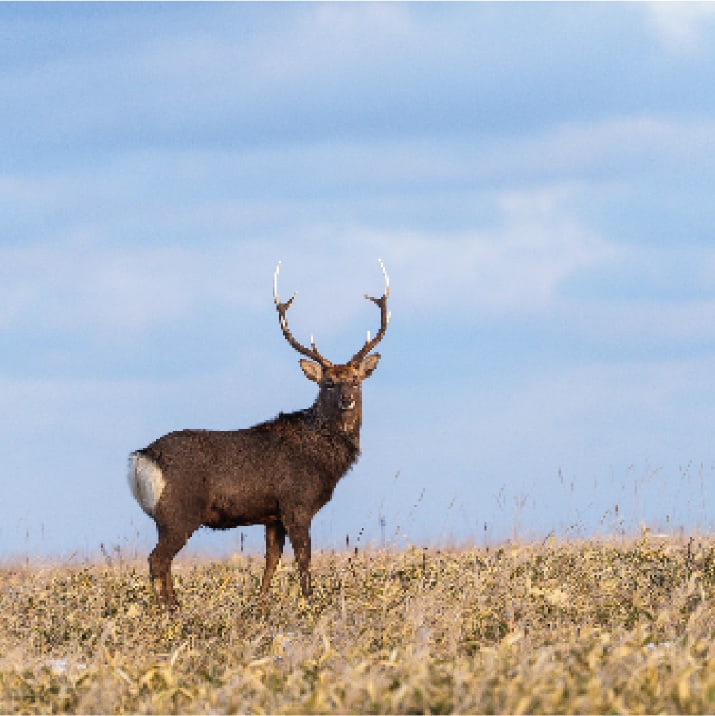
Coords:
592,627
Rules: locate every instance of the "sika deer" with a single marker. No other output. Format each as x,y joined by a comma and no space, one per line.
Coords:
278,473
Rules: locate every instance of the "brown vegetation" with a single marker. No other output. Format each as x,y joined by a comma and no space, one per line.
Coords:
591,627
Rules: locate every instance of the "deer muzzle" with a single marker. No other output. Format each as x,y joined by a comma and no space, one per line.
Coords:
347,402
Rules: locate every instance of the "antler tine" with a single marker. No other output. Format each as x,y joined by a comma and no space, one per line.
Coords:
384,319
276,299
282,308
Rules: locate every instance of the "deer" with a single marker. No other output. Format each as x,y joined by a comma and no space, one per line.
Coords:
278,473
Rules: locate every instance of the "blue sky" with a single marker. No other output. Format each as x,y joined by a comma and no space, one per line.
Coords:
538,179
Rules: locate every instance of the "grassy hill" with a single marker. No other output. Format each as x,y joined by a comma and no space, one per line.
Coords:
594,626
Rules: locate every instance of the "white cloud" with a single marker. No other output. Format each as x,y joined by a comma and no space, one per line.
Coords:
513,264
621,146
330,39
68,286
682,26
78,268
513,268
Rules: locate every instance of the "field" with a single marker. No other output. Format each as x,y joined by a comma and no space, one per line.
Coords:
594,626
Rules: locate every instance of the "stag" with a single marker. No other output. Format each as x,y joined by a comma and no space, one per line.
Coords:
278,473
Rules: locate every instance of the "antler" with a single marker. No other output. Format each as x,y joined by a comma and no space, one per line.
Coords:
282,308
384,319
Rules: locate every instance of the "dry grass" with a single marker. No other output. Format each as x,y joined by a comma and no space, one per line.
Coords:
560,628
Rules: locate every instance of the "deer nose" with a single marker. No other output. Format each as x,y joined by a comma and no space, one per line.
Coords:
347,402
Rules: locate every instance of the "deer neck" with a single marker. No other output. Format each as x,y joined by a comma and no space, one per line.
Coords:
346,426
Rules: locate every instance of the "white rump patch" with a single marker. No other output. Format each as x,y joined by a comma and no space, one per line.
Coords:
145,481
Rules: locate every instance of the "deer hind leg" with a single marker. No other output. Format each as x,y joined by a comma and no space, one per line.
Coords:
169,544
299,536
275,540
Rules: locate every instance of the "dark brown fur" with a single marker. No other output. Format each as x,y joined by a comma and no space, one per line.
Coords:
278,473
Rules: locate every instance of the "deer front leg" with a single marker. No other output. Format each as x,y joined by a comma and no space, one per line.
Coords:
299,536
275,539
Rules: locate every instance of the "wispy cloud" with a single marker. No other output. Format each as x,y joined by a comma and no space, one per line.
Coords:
71,285
682,26
514,268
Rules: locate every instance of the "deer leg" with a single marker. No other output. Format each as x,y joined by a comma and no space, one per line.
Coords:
170,542
275,539
300,540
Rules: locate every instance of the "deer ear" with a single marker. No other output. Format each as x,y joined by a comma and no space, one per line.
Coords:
367,365
312,370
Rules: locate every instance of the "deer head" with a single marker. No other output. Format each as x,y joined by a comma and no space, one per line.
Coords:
339,401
